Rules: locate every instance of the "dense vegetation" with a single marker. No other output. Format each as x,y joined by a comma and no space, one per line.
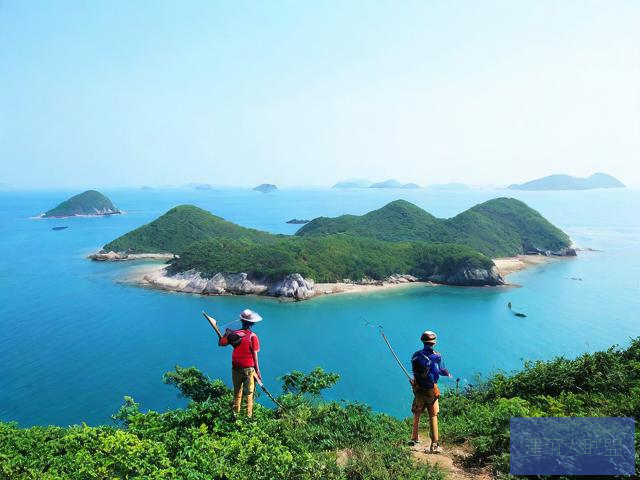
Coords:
210,245
180,227
311,439
204,441
90,202
327,258
498,227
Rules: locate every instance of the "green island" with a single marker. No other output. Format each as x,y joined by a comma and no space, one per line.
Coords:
89,203
399,242
314,439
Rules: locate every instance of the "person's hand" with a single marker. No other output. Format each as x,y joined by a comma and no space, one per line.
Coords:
412,382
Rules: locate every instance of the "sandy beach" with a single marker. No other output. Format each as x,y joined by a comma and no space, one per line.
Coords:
507,265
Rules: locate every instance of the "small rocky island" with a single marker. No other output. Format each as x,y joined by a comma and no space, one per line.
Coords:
567,182
265,188
297,221
398,243
86,204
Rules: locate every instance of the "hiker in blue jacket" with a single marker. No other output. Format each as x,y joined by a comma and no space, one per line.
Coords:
427,365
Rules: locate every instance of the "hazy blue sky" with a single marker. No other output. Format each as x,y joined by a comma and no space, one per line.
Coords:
96,93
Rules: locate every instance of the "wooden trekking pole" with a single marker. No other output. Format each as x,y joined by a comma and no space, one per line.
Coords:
213,323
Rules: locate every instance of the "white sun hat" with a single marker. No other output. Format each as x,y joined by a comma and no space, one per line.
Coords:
250,316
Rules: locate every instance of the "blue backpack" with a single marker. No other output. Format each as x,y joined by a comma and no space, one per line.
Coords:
425,369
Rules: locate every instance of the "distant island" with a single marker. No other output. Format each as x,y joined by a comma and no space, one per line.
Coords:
361,183
567,182
392,183
86,204
203,186
266,188
353,183
398,243
296,221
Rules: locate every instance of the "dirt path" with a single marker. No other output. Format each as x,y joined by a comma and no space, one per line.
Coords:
450,461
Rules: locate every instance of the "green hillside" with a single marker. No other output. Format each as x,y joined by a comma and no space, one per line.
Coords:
312,439
328,258
180,227
499,227
90,202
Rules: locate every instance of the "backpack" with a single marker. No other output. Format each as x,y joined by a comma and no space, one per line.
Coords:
423,369
235,338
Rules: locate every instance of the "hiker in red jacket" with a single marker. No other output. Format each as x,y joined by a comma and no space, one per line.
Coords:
244,359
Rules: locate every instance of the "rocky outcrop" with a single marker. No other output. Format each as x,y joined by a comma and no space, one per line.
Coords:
103,256
293,286
530,249
471,277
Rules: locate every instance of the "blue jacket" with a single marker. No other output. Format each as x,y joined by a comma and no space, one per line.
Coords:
427,367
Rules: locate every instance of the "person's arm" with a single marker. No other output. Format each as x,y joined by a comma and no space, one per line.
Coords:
255,348
443,369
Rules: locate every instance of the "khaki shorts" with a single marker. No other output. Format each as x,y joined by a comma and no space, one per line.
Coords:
243,380
425,399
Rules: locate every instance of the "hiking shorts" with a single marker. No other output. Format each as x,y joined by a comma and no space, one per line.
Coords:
425,399
243,380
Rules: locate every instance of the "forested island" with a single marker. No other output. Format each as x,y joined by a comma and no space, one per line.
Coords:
313,439
397,243
89,203
567,182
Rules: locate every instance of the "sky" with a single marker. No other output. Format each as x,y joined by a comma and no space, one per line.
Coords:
130,93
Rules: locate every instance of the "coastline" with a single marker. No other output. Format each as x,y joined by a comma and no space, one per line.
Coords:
153,275
509,265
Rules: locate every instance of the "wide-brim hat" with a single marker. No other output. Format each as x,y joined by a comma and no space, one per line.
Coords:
250,316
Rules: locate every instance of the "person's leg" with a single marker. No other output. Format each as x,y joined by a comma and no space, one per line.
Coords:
415,434
433,409
237,379
433,428
250,387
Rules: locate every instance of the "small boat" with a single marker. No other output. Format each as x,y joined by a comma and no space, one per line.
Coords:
58,228
517,314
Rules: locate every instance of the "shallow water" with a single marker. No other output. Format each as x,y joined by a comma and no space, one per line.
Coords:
74,341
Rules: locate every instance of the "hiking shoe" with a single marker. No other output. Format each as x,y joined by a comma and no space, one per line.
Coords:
413,443
435,448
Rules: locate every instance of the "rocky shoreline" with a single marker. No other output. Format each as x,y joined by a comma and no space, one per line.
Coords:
295,286
103,256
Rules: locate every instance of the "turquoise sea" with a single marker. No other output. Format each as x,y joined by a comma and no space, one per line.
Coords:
74,341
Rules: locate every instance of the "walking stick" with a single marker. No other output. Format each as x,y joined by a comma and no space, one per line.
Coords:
384,337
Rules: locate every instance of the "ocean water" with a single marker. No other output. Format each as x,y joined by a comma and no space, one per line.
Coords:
74,339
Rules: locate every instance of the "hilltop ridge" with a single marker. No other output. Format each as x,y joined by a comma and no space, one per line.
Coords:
497,228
